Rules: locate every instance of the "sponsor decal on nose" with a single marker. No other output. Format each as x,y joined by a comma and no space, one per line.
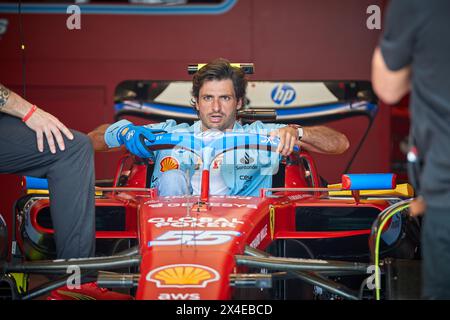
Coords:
183,276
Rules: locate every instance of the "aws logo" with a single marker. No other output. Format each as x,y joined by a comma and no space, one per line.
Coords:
283,94
179,296
183,276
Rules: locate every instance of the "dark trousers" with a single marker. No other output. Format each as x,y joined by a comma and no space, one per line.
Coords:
436,254
71,179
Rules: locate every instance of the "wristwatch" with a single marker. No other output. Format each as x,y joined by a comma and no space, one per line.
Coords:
299,130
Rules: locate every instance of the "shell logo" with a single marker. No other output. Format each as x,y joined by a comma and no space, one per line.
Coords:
168,163
183,276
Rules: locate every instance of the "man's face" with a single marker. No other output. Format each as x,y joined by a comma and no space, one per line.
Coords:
217,105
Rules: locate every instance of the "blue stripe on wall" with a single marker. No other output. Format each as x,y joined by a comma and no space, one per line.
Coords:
122,9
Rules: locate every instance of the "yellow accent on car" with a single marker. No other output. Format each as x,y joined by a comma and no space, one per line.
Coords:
272,221
45,191
401,190
247,68
21,280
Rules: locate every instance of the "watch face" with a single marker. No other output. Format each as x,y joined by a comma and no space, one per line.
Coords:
299,129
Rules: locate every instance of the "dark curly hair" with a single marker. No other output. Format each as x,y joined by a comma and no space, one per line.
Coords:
220,69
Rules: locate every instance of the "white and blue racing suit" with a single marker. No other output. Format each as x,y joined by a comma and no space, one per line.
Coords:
243,171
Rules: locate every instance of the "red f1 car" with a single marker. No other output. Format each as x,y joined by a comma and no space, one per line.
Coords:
300,239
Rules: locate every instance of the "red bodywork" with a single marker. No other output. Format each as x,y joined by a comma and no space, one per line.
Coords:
188,246
189,235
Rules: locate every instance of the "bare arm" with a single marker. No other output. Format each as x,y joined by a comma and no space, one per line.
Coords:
319,139
322,139
390,86
12,103
41,122
98,140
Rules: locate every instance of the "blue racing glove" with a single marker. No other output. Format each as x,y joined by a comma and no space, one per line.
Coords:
126,133
112,133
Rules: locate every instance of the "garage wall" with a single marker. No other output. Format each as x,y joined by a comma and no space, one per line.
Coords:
73,74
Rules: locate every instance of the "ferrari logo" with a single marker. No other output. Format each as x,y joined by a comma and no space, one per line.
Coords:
183,276
272,221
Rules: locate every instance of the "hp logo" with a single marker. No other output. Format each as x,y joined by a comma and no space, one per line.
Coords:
283,94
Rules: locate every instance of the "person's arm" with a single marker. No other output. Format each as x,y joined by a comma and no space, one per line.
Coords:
97,137
393,57
41,122
320,139
390,86
123,135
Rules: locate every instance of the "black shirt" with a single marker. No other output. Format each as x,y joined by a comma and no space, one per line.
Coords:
417,33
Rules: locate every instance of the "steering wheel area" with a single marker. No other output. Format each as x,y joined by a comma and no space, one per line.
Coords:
208,145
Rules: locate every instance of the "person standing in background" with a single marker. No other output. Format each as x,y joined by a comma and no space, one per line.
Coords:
413,55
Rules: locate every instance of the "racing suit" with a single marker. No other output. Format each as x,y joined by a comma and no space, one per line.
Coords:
243,171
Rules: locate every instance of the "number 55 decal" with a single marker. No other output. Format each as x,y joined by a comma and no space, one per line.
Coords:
193,237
